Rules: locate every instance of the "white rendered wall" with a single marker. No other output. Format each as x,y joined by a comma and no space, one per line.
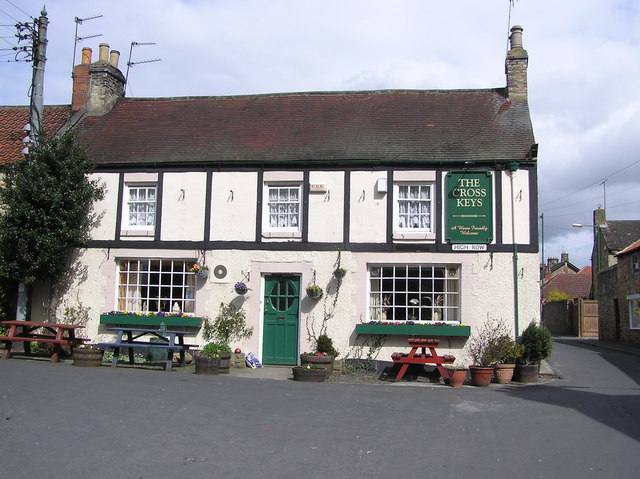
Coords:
183,206
521,204
326,210
105,229
234,203
368,209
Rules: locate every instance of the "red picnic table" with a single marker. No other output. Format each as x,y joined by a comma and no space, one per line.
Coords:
58,335
413,357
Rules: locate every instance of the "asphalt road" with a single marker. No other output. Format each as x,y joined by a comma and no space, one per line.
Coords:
63,421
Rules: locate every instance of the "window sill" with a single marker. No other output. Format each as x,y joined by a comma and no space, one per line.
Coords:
413,329
137,233
410,236
131,319
282,234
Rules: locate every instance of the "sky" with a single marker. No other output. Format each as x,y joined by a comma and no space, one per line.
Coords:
584,65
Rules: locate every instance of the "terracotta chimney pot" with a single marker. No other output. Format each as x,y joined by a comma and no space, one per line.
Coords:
103,56
86,55
114,58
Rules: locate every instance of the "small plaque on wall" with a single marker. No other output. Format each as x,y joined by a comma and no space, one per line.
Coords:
317,188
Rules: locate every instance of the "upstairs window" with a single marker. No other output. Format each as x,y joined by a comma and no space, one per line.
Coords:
413,208
284,208
140,207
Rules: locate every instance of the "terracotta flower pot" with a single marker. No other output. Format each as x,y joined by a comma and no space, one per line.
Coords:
457,377
504,373
480,375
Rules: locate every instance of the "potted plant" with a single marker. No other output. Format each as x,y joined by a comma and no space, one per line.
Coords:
537,345
87,355
324,355
229,325
201,271
314,291
309,373
509,352
240,288
339,273
208,360
457,374
484,351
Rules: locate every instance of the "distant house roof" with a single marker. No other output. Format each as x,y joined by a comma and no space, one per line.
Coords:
392,126
573,285
12,121
566,265
586,270
629,249
618,234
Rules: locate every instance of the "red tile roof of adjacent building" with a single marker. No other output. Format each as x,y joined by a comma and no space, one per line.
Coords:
12,121
400,126
585,270
632,247
573,285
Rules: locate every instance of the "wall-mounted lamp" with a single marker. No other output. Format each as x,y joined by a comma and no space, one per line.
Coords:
381,186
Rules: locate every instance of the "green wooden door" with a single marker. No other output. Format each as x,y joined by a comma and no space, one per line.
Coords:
281,305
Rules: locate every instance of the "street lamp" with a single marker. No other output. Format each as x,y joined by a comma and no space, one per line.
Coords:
596,229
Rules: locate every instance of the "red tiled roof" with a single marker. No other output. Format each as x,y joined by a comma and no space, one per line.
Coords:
585,270
573,285
13,119
632,247
372,126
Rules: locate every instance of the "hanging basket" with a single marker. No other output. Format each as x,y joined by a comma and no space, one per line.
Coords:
315,292
339,273
240,288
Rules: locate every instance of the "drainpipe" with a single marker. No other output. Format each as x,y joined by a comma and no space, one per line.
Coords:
513,167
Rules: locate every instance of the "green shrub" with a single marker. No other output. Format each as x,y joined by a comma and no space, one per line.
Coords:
325,345
537,344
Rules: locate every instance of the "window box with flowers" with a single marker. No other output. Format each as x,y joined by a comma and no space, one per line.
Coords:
411,328
150,319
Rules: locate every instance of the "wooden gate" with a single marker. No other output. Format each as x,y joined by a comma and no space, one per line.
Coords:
587,318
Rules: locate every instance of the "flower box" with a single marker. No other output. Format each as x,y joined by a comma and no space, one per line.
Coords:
413,329
135,320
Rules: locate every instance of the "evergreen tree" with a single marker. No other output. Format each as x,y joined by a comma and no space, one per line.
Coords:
46,210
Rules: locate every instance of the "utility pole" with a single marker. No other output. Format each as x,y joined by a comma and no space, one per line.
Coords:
38,34
37,85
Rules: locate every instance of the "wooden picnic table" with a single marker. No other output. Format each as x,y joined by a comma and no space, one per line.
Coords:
58,335
159,338
413,357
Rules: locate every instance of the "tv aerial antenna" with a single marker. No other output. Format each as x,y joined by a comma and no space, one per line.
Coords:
78,39
131,64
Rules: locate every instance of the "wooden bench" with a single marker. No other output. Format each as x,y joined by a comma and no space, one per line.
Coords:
413,357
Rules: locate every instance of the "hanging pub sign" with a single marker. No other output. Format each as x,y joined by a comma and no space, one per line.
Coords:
469,207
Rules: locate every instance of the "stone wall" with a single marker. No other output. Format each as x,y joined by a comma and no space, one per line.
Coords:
607,295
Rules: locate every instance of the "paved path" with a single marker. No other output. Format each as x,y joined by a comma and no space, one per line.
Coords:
62,421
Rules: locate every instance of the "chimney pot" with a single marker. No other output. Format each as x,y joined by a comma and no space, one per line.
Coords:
103,56
114,58
516,36
86,55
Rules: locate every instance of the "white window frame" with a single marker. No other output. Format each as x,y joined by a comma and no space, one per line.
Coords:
126,206
634,312
422,293
406,231
267,214
145,285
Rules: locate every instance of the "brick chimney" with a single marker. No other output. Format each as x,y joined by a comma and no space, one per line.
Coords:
552,261
516,66
564,257
97,86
